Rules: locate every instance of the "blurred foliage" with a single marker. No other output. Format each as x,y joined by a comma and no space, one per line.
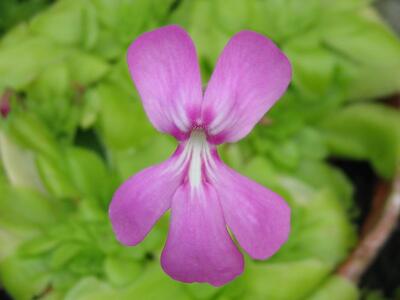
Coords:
77,129
15,11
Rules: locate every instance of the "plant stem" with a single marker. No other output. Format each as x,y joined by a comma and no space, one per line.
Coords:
379,226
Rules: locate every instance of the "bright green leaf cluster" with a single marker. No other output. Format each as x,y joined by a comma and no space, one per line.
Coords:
77,129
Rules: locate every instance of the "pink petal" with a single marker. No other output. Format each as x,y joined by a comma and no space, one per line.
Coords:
259,218
250,76
142,200
163,65
199,248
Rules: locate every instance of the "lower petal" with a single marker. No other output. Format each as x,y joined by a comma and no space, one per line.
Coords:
259,218
199,248
142,199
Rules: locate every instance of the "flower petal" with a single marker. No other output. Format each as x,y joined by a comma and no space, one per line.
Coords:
163,65
259,218
250,76
199,248
142,199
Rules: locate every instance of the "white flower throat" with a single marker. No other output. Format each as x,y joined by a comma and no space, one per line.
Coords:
197,158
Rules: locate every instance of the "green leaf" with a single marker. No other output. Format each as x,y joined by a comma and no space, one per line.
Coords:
61,23
12,235
336,287
328,177
261,170
52,82
90,110
128,18
89,174
13,12
90,288
107,46
203,290
281,281
233,15
90,26
311,143
121,121
20,63
86,68
37,246
122,270
309,229
282,20
55,177
133,160
15,35
19,164
367,131
198,18
28,131
372,50
285,154
143,288
313,66
331,220
56,100
25,207
23,279
64,253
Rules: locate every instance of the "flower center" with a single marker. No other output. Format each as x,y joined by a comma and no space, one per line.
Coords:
197,159
198,148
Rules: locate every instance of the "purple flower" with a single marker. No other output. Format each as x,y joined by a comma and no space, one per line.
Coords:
205,196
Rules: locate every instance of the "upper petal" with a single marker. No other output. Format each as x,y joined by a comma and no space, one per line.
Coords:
199,248
142,199
259,218
250,76
163,65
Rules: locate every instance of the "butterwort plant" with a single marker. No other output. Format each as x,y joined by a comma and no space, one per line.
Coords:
205,196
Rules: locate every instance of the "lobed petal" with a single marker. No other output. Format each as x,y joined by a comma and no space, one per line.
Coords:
163,65
142,199
199,248
250,76
258,217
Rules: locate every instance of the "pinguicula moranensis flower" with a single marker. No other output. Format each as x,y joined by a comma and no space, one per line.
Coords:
205,196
